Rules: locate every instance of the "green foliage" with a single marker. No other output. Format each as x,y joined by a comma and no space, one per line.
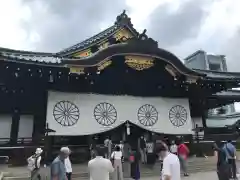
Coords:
238,145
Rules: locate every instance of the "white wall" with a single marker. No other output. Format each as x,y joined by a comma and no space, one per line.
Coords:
219,122
5,126
25,126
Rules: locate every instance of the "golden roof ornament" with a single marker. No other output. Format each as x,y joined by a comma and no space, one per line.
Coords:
139,63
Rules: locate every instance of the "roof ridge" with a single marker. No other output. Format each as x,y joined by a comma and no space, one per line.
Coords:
87,39
23,52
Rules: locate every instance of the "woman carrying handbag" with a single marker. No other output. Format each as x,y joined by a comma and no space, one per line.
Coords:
117,158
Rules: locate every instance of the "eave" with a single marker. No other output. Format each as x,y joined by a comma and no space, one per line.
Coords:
228,95
219,76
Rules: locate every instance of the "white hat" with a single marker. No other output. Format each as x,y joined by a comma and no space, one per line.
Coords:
38,151
65,150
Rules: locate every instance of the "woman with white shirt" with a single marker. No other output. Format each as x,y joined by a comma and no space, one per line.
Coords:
34,164
68,168
117,158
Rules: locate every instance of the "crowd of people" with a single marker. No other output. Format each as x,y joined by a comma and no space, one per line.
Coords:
106,160
110,158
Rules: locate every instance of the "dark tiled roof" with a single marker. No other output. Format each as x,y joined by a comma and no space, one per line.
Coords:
219,75
31,57
228,93
121,21
91,40
21,52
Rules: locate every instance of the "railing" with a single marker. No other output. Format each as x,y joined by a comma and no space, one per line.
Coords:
25,140
4,159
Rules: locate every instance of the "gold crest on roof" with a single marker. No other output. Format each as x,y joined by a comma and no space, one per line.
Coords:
104,64
123,35
76,70
84,53
139,63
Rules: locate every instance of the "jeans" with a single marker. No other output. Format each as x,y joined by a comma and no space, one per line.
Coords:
143,155
183,163
223,172
69,175
35,175
233,168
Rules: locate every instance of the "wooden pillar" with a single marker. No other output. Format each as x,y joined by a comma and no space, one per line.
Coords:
14,127
38,129
204,117
39,121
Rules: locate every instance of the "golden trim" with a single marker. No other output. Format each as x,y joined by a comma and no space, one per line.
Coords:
104,65
171,70
103,40
76,70
123,35
139,63
84,53
103,45
136,54
191,80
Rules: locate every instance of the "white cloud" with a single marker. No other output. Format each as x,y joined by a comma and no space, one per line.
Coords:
27,26
11,33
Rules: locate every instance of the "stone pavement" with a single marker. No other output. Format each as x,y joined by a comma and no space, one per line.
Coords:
196,176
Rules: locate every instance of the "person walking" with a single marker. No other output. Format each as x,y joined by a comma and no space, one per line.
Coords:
34,164
222,164
230,151
92,147
68,167
57,168
108,147
183,152
143,150
171,165
100,167
117,159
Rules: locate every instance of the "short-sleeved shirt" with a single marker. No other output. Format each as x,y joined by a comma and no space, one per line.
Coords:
171,167
183,151
58,169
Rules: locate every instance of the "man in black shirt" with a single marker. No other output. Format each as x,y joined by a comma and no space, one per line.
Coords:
222,164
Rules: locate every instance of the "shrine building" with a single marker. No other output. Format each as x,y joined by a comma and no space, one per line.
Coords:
117,82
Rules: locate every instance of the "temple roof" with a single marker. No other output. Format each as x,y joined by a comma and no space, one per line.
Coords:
122,21
86,43
229,94
219,74
138,44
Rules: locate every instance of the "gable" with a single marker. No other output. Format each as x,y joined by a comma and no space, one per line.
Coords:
122,30
119,36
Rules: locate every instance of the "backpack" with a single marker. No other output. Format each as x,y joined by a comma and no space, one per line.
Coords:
32,162
231,153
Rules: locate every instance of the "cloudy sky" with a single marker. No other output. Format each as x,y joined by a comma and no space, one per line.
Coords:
180,26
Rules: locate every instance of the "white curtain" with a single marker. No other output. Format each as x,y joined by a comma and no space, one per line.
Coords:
25,126
5,127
